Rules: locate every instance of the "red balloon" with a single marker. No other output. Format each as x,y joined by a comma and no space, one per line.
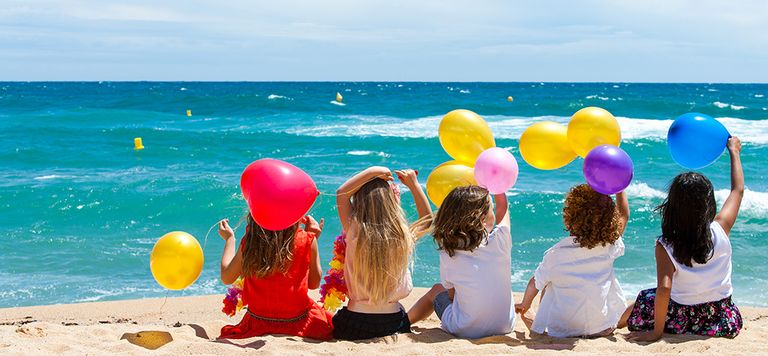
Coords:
278,193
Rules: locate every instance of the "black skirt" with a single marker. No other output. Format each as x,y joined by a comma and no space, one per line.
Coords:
349,325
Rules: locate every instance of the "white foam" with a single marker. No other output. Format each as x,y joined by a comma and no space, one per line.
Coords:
182,89
275,96
508,127
464,91
52,176
759,95
368,153
643,190
723,105
753,205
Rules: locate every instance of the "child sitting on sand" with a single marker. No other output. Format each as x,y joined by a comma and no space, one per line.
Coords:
693,262
475,297
278,268
580,294
378,253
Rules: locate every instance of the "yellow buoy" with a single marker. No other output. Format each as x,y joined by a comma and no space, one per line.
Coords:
510,98
339,98
189,112
137,145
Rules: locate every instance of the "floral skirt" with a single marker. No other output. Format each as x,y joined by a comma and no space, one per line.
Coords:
719,318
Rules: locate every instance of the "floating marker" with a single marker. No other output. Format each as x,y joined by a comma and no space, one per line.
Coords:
137,145
189,112
510,98
339,98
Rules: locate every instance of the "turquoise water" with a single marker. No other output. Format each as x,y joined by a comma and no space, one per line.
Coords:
80,210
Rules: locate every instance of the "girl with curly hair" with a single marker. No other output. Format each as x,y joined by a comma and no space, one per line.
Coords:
693,262
580,294
474,298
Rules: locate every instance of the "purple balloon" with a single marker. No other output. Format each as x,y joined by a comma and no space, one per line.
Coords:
608,169
496,170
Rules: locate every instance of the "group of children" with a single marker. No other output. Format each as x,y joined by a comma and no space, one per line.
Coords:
580,294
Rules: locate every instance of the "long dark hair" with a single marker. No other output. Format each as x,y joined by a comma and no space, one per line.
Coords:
266,252
685,218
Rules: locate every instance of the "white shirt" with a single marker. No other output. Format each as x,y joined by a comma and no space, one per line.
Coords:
483,304
708,282
581,294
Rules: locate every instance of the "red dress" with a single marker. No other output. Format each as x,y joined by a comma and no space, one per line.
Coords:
279,303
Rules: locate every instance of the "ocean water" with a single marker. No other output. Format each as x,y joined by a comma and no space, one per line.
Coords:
80,210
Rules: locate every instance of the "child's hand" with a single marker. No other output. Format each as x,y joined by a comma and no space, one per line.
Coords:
380,172
311,225
224,230
734,145
521,309
409,177
643,336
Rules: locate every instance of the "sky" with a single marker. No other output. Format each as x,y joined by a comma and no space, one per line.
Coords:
394,40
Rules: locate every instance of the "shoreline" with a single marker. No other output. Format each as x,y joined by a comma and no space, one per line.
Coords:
191,325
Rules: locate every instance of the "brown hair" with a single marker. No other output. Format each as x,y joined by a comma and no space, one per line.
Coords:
459,224
267,252
591,217
384,240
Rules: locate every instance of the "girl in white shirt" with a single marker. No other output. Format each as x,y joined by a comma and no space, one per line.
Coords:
580,294
474,299
693,262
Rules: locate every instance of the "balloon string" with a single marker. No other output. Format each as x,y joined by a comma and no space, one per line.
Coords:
165,299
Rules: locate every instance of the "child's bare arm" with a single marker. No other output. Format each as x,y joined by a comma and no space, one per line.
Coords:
351,186
315,270
231,260
622,204
502,209
727,216
530,294
664,271
409,177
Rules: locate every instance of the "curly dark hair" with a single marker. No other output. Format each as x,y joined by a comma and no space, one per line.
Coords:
591,217
459,223
685,218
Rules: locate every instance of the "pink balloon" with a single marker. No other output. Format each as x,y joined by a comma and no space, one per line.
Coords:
496,170
278,193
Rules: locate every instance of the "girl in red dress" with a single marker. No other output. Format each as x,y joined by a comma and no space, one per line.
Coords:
278,267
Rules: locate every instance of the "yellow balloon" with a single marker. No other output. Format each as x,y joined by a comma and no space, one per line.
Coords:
176,260
447,176
544,145
465,135
591,127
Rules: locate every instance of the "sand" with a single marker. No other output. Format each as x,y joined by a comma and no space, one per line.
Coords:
190,325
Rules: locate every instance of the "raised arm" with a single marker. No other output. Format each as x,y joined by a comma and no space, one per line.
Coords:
622,204
502,209
231,260
409,177
351,186
730,210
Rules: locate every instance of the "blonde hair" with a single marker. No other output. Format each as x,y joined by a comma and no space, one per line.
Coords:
267,252
384,240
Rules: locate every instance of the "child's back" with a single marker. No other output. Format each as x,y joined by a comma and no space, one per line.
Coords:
581,295
474,298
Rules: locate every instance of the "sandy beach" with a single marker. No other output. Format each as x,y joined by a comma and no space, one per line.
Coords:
190,325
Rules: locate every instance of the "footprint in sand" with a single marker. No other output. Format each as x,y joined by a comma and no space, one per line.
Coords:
32,331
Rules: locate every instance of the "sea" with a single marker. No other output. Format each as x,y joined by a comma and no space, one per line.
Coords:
80,209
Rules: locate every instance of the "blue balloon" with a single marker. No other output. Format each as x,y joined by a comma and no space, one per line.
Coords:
696,140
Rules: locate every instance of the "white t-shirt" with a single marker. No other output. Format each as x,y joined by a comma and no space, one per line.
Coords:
581,294
483,304
706,282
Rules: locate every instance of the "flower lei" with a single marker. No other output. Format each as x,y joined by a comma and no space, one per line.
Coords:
333,292
233,300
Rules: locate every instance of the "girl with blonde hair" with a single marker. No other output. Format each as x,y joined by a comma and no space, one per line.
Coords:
380,244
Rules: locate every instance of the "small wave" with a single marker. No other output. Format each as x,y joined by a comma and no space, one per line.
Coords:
275,96
643,190
334,102
182,89
368,153
752,205
759,95
464,91
723,105
603,98
52,176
